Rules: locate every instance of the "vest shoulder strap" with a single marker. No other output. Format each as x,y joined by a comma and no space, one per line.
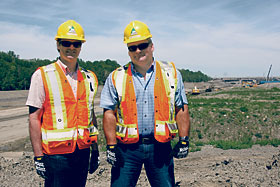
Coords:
49,67
168,67
118,78
169,73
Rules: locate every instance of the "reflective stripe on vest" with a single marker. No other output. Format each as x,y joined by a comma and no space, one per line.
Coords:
127,128
164,90
66,120
52,78
165,124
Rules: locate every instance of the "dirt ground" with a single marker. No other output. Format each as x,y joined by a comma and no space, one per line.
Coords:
257,166
210,167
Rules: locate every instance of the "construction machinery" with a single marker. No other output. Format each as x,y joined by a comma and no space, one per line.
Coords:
267,77
195,91
209,88
269,80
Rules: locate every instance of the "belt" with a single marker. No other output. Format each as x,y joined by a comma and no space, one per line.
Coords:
147,140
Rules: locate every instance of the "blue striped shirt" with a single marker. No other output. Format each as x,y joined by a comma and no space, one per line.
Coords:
144,90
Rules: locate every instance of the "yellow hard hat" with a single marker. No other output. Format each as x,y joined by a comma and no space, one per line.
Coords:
70,30
136,31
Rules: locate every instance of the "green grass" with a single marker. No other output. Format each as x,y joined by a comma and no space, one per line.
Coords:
231,119
236,118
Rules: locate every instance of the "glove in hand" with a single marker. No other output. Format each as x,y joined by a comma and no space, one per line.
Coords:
94,161
181,150
40,166
114,156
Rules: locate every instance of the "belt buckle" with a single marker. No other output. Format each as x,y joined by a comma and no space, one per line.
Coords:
146,140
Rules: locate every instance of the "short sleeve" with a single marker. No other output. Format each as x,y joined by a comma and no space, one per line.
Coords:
109,95
36,94
180,95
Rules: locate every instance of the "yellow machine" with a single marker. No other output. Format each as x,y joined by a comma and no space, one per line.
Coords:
195,91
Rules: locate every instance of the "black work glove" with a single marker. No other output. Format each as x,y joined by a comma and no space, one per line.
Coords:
94,160
181,149
40,166
114,156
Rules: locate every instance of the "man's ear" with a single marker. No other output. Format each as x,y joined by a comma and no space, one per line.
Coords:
152,47
57,46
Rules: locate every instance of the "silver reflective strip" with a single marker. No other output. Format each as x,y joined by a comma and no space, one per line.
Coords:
121,129
160,127
119,115
119,78
51,136
75,133
132,131
119,82
172,126
92,129
52,75
92,91
81,132
168,71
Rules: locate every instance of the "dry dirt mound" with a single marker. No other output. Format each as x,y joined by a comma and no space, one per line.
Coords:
258,166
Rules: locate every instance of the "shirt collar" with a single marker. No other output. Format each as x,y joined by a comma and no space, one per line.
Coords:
151,69
64,67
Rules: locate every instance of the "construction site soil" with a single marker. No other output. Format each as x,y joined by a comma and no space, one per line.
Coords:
257,166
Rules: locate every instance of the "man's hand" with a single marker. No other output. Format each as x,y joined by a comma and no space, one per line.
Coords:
181,149
114,156
94,160
40,166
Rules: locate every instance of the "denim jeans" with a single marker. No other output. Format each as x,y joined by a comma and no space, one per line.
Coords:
158,164
67,169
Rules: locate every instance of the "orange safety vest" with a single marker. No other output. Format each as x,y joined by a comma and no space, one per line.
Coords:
67,121
165,127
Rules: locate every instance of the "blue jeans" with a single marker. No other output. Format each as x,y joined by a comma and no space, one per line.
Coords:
158,164
67,169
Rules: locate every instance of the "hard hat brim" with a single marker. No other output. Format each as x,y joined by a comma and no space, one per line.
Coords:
137,39
68,38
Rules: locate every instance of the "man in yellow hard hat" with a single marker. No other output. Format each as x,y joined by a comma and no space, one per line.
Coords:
62,122
145,106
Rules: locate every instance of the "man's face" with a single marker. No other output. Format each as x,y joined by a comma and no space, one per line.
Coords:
142,56
69,50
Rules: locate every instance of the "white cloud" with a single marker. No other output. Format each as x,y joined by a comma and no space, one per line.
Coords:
28,42
217,38
232,50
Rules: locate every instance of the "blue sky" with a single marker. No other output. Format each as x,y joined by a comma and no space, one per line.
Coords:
221,38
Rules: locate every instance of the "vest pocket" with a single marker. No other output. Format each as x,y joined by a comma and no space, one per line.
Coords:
85,137
60,144
59,147
165,130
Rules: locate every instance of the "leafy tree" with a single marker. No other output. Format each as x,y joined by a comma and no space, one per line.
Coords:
16,73
190,76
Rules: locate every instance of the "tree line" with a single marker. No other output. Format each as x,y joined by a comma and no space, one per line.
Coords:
16,73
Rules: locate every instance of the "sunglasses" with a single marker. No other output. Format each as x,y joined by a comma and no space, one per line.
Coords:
140,47
68,44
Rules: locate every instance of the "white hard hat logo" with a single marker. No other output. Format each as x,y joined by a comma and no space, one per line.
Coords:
133,32
72,31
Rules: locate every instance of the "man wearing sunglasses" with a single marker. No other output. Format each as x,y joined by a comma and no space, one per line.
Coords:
62,123
145,106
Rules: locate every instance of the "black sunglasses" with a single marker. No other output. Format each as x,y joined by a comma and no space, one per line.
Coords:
140,47
68,44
